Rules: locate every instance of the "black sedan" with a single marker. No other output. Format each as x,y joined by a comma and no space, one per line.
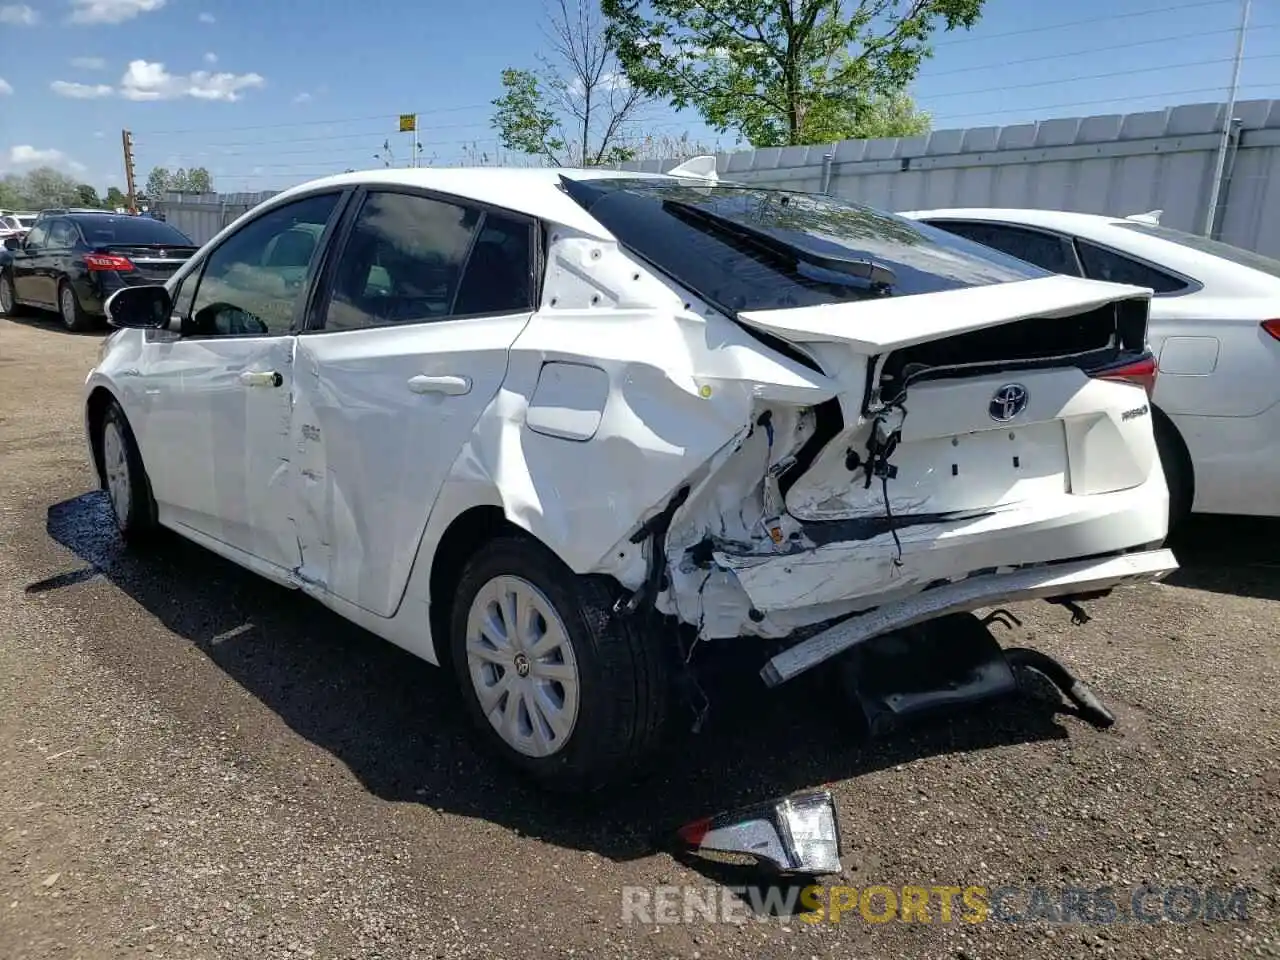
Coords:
72,263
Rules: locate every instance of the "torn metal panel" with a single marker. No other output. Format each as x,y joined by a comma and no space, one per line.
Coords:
684,386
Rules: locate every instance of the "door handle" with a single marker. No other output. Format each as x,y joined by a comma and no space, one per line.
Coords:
261,378
449,386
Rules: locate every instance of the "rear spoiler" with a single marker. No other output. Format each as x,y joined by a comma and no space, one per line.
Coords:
875,327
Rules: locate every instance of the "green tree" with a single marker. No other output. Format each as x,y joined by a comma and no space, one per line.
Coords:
575,109
115,198
11,192
88,196
158,182
46,187
199,180
780,72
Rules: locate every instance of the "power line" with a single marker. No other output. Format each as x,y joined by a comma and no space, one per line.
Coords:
432,111
1088,21
305,123
323,143
1103,76
1197,35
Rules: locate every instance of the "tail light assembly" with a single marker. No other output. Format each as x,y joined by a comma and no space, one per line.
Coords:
1141,372
1271,327
100,262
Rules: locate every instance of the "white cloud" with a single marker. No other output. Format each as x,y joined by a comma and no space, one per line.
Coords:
206,18
210,58
98,134
88,63
111,11
302,98
80,91
5,87
151,81
26,154
19,14
608,81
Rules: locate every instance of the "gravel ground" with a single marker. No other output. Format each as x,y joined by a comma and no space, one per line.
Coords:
194,763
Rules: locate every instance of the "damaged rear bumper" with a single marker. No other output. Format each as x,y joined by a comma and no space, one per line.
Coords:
1032,583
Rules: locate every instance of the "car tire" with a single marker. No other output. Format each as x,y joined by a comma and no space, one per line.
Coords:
599,684
124,478
73,315
8,296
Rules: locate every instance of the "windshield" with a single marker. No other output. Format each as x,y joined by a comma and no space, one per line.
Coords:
26,222
9,223
98,230
650,217
1215,248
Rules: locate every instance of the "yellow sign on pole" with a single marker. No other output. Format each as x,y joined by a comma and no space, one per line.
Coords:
408,122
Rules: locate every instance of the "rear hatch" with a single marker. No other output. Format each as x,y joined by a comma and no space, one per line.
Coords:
975,399
968,380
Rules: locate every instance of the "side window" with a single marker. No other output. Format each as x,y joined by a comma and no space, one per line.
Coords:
499,274
37,236
402,262
62,234
1043,249
254,282
1102,264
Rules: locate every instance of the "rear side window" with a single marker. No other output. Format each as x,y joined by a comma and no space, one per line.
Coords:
1102,264
414,259
651,217
1043,249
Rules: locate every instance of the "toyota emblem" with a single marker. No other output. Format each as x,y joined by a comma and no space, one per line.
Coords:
1009,401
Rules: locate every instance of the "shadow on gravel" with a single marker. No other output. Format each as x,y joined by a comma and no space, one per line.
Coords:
394,721
1236,555
51,322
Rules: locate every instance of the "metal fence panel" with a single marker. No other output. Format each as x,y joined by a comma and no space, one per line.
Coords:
1115,164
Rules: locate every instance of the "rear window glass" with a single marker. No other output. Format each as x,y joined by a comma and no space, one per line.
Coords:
1216,248
645,216
130,230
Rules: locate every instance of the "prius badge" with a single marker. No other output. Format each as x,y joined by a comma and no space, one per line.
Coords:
1009,401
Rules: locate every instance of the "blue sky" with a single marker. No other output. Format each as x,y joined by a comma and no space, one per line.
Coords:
265,93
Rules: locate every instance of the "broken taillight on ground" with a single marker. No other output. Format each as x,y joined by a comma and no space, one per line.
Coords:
799,834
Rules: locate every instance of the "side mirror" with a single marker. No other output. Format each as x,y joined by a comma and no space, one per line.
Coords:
12,243
145,307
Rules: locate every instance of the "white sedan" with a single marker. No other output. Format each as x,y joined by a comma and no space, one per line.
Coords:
1215,328
556,429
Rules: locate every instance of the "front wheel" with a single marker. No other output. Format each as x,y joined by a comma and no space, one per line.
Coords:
124,477
8,296
562,687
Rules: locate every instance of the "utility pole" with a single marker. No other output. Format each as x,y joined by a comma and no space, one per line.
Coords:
126,138
1220,161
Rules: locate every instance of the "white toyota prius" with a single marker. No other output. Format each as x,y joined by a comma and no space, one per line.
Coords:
556,430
